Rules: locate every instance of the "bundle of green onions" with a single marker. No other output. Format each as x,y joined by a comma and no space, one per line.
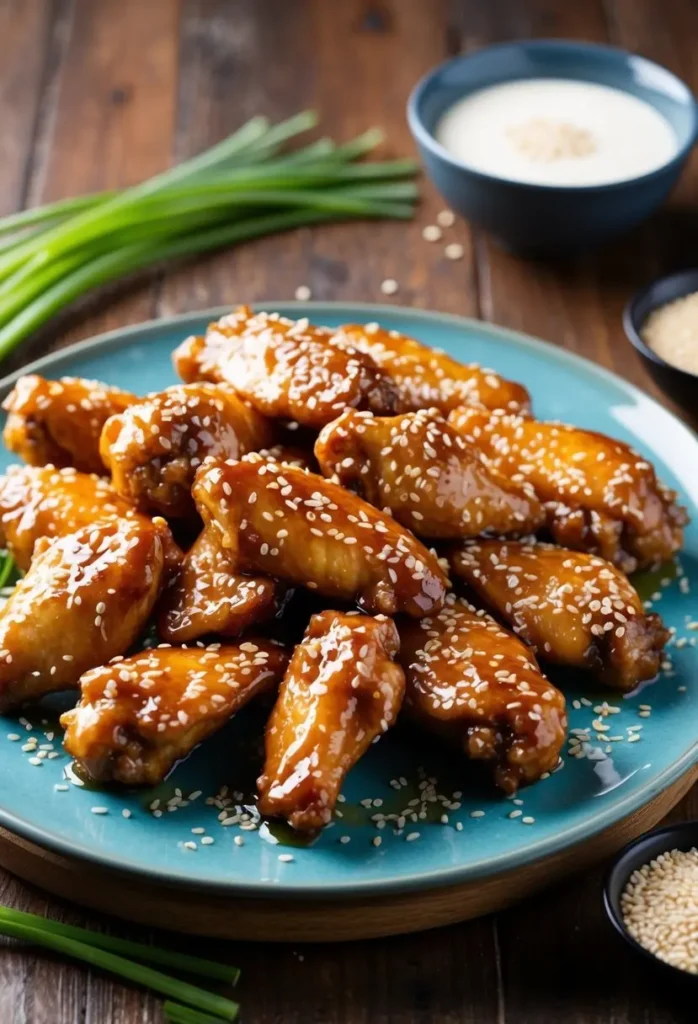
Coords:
188,1004
246,186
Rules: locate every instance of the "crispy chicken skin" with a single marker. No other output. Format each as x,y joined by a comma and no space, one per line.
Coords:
599,494
154,448
85,599
44,502
59,421
420,470
138,716
475,683
282,522
342,690
288,369
208,596
427,377
573,608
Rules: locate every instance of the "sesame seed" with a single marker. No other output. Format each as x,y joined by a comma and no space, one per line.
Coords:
376,841
207,841
389,286
189,845
345,839
60,787
36,761
446,218
411,836
528,820
303,293
286,858
477,814
515,814
431,233
454,251
99,810
125,813
239,841
13,736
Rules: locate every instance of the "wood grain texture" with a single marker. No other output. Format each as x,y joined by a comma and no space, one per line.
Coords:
96,93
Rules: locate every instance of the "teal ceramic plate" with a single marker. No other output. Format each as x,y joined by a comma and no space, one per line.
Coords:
402,775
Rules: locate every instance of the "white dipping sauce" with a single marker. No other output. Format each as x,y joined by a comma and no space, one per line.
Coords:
556,131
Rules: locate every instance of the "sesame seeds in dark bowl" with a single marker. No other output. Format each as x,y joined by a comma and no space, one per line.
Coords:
651,899
679,384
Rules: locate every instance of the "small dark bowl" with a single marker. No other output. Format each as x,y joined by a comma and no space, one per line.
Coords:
550,218
674,837
681,385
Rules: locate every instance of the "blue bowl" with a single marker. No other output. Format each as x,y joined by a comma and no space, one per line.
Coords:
549,218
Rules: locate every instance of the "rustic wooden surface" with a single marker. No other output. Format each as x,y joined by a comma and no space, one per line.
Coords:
98,93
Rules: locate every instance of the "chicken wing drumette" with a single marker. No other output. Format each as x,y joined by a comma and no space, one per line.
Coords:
282,522
45,502
572,608
154,448
138,716
288,369
85,599
59,421
207,595
474,683
427,377
341,691
420,469
599,494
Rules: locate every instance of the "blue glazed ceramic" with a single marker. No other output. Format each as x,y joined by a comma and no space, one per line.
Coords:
571,805
680,384
548,218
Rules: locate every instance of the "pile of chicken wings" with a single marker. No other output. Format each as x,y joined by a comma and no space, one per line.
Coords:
453,544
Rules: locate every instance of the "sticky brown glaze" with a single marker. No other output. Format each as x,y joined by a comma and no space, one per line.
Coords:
290,370
477,685
600,495
342,691
573,608
59,421
427,377
138,716
208,596
85,599
45,502
420,470
282,522
154,448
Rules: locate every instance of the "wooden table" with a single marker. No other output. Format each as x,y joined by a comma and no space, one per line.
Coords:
101,93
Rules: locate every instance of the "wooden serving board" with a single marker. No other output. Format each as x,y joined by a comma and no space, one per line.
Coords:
273,919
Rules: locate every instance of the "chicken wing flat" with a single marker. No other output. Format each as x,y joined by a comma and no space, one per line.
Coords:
154,448
473,682
572,608
427,377
421,471
59,421
208,596
290,370
342,690
138,716
600,495
282,522
45,502
85,599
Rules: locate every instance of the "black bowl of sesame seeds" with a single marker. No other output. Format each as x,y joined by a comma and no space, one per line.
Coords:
651,898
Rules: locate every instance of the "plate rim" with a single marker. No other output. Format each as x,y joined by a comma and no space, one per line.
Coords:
432,878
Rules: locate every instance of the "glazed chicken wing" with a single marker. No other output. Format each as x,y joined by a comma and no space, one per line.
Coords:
282,522
154,448
421,471
600,495
59,421
341,691
290,370
138,716
427,377
472,682
572,608
208,596
85,599
45,502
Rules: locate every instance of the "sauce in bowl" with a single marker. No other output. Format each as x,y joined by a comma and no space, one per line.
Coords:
555,131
